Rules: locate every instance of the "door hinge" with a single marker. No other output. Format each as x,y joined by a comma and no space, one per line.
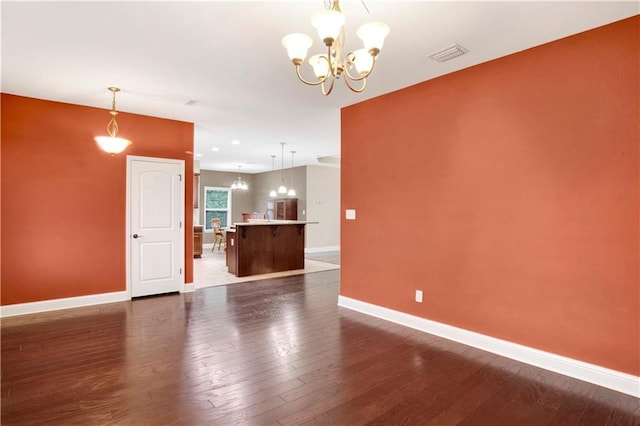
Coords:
179,175
180,271
180,224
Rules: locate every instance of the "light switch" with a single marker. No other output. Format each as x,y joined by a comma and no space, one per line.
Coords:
350,214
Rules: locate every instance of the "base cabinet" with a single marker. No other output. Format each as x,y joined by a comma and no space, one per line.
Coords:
197,241
265,248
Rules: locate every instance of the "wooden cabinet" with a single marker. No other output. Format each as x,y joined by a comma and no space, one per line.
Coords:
231,251
254,215
196,190
197,241
285,209
261,248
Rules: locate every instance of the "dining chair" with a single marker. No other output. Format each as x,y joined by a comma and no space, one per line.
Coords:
218,235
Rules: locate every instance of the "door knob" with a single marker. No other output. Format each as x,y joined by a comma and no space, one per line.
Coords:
137,236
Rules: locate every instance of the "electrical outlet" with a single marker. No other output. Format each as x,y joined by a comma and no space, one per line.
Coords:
419,296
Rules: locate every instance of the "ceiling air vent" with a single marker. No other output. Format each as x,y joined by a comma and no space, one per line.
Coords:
448,53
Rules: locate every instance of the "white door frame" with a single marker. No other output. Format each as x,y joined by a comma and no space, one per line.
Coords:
130,159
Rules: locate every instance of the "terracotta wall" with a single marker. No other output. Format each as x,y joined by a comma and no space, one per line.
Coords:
508,192
63,199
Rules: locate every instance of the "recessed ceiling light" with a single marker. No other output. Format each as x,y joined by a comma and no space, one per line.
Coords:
215,149
235,142
198,155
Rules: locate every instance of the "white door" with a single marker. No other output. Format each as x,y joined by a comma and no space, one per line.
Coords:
156,235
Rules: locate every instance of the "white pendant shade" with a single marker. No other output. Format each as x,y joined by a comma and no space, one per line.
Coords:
282,189
112,145
363,61
291,193
373,35
328,23
273,193
320,65
297,45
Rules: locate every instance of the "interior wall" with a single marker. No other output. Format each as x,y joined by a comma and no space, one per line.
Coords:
64,200
320,185
241,201
509,193
265,182
323,206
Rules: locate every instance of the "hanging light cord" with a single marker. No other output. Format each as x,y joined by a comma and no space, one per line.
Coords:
282,164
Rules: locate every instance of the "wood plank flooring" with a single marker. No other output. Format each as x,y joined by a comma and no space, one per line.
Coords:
271,352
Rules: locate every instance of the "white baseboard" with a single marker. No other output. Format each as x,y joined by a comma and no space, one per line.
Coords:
321,249
611,379
65,303
188,288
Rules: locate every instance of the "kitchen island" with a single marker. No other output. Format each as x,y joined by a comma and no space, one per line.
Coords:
262,247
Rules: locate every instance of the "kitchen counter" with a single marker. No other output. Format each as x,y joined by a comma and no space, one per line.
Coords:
262,247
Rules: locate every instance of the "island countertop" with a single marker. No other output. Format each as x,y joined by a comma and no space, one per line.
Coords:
259,222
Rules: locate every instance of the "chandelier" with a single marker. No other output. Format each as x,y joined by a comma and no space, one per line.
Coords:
112,143
355,66
239,184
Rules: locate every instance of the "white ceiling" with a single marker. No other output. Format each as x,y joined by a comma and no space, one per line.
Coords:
220,64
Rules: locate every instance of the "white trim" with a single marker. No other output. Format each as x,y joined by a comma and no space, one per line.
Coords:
188,288
65,303
321,249
611,379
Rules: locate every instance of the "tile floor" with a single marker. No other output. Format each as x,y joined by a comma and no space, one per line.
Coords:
211,270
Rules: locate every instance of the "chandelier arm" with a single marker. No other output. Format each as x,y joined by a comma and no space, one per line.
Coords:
327,92
310,83
354,89
349,62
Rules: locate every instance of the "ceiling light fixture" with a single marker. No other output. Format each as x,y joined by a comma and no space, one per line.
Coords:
292,192
239,184
273,192
330,66
282,189
112,143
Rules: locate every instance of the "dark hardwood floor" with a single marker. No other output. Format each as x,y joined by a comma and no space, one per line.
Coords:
276,351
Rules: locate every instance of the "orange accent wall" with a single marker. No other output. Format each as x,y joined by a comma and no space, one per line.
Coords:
509,193
64,200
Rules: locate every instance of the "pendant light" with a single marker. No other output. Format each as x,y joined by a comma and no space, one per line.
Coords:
282,189
273,192
112,143
292,192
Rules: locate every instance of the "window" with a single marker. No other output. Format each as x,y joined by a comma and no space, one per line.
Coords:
217,203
